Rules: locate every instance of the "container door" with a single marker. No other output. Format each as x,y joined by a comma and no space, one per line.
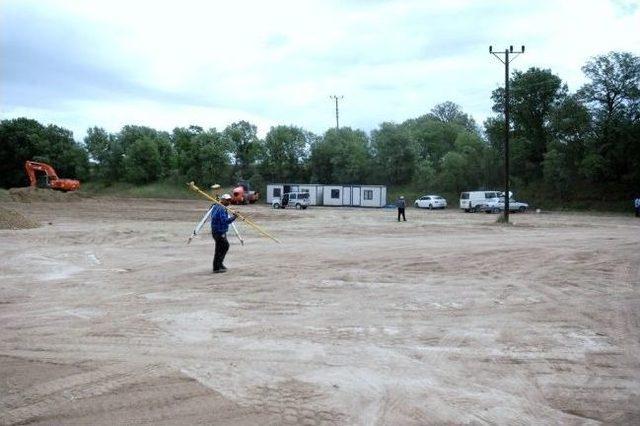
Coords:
320,195
355,196
346,195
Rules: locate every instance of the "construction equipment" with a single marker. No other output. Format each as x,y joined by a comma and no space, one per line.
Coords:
194,188
242,194
48,178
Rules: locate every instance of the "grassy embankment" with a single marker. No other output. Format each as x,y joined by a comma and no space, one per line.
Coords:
173,189
163,189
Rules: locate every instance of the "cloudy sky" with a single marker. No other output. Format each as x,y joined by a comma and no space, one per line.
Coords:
175,63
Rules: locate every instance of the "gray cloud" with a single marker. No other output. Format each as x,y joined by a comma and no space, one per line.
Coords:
392,60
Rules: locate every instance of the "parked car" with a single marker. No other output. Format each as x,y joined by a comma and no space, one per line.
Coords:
497,205
472,201
299,200
431,202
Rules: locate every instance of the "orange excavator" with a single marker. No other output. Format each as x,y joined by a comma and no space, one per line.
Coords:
242,194
47,177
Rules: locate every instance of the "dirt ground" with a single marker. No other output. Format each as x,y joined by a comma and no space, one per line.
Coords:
107,316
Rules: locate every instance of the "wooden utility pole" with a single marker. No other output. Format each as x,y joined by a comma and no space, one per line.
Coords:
506,119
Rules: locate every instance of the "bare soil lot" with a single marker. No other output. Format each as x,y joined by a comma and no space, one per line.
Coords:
107,316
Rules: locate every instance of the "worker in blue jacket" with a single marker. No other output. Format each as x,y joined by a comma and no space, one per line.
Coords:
220,221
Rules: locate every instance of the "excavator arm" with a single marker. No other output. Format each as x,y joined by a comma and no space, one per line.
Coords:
32,166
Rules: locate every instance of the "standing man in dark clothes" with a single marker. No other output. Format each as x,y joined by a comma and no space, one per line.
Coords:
220,221
400,203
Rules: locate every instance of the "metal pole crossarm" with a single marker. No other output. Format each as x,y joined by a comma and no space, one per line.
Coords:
194,188
499,58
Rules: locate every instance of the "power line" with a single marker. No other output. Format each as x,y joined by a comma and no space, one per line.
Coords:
336,97
506,62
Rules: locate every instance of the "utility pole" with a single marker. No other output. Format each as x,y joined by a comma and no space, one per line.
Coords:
506,61
336,97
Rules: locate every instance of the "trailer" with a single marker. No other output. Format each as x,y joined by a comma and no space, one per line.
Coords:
332,195
355,195
277,190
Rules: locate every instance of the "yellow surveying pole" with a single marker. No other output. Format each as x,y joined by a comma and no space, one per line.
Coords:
194,188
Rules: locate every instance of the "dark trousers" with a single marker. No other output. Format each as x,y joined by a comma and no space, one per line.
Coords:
401,212
637,211
222,246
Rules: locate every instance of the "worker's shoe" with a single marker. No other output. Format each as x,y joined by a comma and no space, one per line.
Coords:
223,268
219,271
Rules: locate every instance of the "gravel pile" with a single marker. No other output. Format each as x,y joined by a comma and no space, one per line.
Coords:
10,219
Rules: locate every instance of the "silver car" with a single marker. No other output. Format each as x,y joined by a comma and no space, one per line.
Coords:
497,205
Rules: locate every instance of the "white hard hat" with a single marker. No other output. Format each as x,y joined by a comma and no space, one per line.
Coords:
225,196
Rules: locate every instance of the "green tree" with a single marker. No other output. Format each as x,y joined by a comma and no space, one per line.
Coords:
341,156
213,152
453,176
285,152
450,112
19,139
614,88
142,162
431,138
424,175
572,136
555,173
97,144
534,95
119,157
243,138
23,139
187,151
613,96
394,153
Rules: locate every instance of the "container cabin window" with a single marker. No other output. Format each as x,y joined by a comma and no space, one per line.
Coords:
276,192
367,194
335,193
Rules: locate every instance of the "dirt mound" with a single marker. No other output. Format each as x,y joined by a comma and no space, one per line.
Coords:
29,194
10,219
4,195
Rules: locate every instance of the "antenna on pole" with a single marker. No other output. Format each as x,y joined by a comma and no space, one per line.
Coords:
336,97
506,62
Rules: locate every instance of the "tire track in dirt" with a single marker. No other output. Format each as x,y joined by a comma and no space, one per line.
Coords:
39,400
292,402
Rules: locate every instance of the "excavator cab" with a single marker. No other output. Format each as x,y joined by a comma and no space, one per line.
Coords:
42,180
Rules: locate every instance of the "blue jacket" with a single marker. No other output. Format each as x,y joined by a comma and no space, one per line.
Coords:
220,220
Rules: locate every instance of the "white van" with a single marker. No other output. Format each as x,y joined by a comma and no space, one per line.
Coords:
473,201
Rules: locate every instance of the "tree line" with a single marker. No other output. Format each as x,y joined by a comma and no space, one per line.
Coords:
562,144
